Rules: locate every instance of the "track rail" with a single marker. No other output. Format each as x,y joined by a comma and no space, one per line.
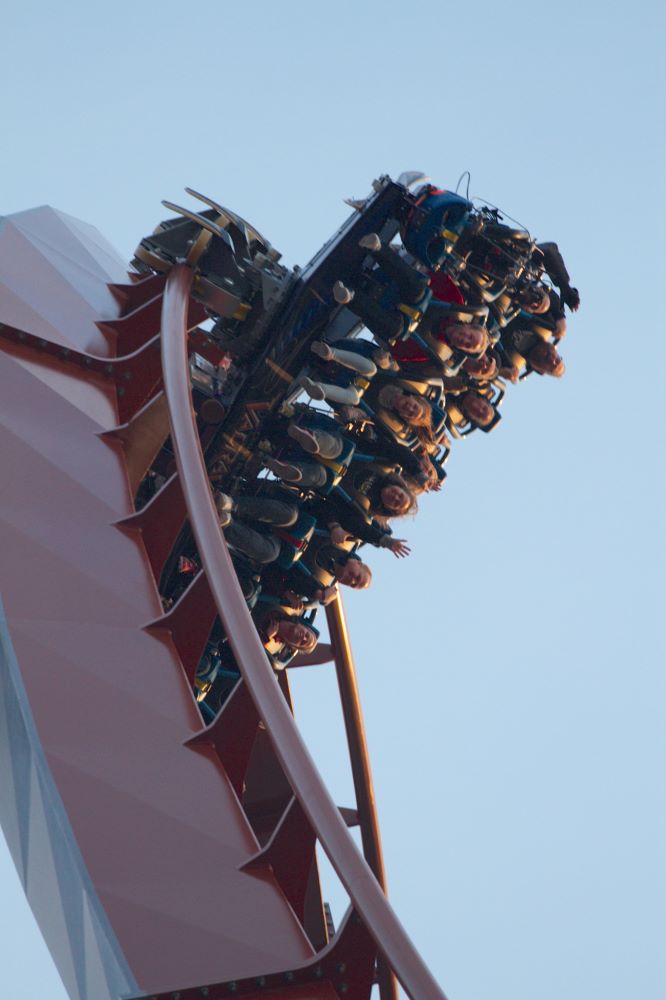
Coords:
354,872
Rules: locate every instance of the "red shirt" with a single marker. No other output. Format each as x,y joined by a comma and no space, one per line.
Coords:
444,289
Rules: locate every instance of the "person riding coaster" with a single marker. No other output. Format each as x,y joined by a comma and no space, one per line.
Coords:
428,321
526,346
278,530
328,446
405,412
344,370
406,419
423,467
325,564
294,537
359,507
473,409
283,635
495,257
300,429
449,335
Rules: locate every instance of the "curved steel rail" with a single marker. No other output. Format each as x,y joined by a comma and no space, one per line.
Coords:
324,816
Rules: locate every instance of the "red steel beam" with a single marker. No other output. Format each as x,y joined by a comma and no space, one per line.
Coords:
360,765
331,830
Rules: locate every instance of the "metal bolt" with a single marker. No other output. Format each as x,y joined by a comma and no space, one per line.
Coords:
204,991
341,968
343,987
319,972
289,976
261,981
121,390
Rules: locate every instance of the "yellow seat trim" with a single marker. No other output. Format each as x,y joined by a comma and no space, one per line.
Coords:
284,375
242,311
414,314
330,463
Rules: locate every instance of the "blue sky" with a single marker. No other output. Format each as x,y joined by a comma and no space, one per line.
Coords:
512,669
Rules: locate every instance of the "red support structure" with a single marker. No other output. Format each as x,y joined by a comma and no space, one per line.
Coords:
322,813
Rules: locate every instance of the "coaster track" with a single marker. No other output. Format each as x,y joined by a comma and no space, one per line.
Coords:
355,873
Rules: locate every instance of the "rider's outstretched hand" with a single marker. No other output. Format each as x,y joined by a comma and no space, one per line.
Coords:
399,547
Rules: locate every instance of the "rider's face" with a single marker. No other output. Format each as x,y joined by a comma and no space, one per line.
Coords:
354,574
395,499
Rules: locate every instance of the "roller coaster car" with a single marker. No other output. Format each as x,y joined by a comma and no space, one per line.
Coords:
460,425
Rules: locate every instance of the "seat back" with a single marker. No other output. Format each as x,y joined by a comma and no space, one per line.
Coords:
435,225
294,540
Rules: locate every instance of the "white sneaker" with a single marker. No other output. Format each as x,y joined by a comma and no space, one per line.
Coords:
357,203
313,389
304,437
342,294
322,350
371,242
283,470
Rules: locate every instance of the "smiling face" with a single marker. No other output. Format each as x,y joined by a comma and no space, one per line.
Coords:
544,359
411,408
296,634
477,409
483,368
395,499
467,337
355,574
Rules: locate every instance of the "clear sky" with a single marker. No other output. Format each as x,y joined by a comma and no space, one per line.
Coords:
512,669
